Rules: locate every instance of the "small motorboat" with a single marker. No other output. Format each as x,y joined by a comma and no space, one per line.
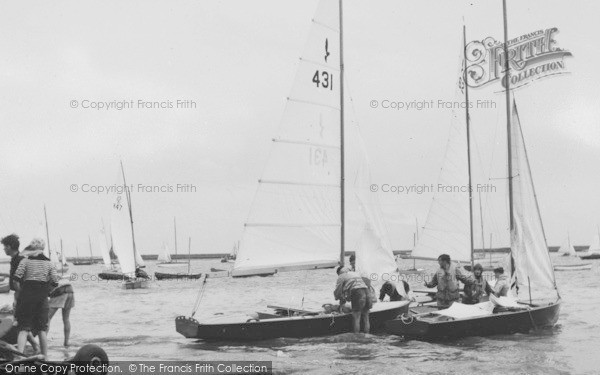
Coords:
573,267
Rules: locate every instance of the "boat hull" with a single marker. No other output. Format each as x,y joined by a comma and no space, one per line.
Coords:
574,267
113,276
83,262
297,327
176,276
591,256
509,322
135,284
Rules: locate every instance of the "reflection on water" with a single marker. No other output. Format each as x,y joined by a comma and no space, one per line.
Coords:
139,324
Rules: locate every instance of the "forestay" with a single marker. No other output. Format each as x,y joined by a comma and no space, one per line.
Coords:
533,267
294,221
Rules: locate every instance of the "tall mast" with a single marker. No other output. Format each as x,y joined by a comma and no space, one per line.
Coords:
342,176
128,195
175,228
468,141
189,254
508,127
62,259
47,234
481,217
91,255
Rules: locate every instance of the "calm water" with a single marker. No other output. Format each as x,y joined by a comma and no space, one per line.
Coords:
139,325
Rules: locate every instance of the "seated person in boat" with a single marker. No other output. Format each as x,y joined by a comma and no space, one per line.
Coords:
351,287
502,283
139,272
475,291
389,289
446,279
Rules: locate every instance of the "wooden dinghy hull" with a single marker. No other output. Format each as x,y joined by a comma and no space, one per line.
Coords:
108,275
296,326
509,322
591,256
135,284
176,276
573,267
83,262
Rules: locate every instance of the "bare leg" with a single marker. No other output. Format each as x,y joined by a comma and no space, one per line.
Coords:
66,324
356,321
365,320
43,343
22,340
34,344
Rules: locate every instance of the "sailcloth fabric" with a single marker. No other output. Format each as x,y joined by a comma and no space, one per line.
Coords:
567,249
447,229
294,221
366,232
164,256
595,245
121,232
533,267
104,249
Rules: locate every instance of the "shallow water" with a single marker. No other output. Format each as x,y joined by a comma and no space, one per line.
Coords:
139,324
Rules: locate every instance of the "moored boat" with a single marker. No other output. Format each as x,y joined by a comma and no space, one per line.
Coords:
177,276
573,267
307,324
593,252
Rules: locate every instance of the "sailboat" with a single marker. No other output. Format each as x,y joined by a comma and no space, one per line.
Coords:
532,275
298,218
84,261
593,251
180,275
123,241
164,256
231,257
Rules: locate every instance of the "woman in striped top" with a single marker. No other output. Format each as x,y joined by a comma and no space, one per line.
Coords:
35,276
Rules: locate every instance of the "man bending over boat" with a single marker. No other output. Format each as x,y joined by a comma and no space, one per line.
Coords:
446,279
474,292
389,289
351,287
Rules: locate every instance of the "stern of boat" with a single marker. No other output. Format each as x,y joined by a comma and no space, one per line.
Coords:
186,326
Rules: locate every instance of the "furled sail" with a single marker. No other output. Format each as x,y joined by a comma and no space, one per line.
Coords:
121,231
533,268
447,228
294,221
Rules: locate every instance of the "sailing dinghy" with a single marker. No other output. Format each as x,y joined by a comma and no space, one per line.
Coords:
593,251
180,275
123,241
297,220
567,250
532,274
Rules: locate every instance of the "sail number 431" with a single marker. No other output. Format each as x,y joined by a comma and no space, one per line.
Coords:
323,79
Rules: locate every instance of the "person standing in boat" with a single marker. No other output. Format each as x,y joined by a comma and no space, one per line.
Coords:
351,287
34,275
62,297
352,262
502,286
473,293
446,279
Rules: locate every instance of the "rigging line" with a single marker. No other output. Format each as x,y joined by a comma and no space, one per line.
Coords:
304,288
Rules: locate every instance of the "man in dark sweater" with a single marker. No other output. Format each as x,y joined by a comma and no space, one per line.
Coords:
11,248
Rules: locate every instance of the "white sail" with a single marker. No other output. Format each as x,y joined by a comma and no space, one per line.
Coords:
294,221
121,231
594,245
533,267
373,250
567,249
104,249
447,228
165,255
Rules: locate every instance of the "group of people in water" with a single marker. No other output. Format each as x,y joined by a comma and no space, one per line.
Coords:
37,293
356,288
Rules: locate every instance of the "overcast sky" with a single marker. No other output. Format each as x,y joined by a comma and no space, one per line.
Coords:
236,60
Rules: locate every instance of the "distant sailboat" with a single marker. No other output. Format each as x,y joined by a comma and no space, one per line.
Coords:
164,256
298,216
593,251
567,249
180,275
123,240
